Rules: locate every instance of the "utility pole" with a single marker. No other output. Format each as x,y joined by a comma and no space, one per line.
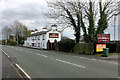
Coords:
17,40
114,26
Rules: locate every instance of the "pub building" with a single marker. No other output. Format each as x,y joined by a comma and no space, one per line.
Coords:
44,39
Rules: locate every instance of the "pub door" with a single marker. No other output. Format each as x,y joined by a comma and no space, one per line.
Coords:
52,46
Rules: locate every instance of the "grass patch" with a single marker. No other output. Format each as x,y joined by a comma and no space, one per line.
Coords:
109,54
114,53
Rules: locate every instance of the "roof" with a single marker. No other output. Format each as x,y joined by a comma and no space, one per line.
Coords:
39,33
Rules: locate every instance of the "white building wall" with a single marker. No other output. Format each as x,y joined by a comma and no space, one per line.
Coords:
53,39
40,41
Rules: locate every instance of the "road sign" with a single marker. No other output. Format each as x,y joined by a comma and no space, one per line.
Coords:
102,38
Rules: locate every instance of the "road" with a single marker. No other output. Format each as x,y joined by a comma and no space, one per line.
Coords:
53,64
7,71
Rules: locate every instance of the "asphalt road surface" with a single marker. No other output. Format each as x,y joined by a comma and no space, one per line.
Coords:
52,64
7,70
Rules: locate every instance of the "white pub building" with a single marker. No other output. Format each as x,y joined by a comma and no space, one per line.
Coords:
44,39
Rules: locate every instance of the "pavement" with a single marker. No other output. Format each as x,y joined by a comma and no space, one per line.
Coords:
111,58
54,64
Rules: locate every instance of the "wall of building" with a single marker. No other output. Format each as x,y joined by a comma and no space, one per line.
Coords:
40,41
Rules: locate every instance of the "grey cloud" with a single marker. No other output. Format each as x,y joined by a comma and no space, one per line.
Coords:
30,11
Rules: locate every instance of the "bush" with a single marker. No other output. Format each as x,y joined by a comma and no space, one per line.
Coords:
84,48
11,43
89,48
66,45
79,48
118,47
3,42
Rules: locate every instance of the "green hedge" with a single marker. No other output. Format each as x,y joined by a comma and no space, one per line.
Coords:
84,48
118,47
66,45
11,43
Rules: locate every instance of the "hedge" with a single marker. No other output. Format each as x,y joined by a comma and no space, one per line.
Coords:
66,45
11,43
84,48
118,47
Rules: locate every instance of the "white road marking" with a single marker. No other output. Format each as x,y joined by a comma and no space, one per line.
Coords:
71,63
94,59
5,53
41,55
23,71
45,51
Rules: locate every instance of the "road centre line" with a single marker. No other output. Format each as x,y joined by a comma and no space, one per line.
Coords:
70,63
41,55
23,71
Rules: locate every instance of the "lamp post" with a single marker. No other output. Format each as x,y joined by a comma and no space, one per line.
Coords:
114,25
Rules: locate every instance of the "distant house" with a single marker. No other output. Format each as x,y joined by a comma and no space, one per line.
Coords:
12,38
44,39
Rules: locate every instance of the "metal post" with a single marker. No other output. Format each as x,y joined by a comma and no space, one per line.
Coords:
17,40
114,27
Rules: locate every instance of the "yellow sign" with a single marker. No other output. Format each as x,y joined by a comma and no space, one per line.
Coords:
99,47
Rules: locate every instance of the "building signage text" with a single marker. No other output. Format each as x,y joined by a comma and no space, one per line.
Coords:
53,35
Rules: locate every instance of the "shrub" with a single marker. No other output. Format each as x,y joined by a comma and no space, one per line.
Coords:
3,42
79,48
118,47
89,48
66,45
84,48
11,43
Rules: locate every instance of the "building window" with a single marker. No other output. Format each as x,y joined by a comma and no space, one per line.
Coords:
43,45
38,44
38,37
35,37
43,37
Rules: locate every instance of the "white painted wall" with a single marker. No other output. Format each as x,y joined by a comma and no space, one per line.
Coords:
41,40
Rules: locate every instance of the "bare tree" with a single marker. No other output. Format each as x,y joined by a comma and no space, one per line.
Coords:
91,16
67,13
20,31
6,32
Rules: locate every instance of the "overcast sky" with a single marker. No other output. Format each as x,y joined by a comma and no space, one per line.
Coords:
30,13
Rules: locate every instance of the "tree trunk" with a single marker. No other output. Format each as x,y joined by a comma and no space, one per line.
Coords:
77,35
